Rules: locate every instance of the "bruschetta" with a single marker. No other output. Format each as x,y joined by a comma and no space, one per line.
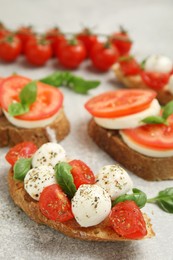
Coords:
119,126
68,197
31,111
156,73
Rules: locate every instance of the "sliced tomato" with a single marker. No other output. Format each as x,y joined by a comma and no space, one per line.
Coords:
127,220
120,102
82,174
129,66
157,136
54,204
21,150
155,80
49,99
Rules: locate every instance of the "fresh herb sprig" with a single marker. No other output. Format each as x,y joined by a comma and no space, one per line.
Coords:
166,112
65,179
75,83
27,96
164,199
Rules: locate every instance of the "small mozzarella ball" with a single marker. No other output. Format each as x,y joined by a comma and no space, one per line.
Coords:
170,84
158,63
49,154
115,180
90,205
37,179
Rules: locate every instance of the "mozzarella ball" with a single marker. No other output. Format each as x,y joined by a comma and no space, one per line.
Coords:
115,180
170,84
37,179
90,205
158,63
49,154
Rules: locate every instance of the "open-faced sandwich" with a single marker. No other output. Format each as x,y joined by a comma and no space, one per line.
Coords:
68,197
30,111
130,125
155,73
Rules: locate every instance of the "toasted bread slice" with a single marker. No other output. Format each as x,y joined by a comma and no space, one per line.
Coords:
11,135
148,168
101,232
164,96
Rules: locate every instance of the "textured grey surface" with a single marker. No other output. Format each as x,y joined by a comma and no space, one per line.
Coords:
150,25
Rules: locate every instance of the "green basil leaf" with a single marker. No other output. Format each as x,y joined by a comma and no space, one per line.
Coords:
16,109
65,178
29,93
164,200
143,64
77,84
21,167
168,110
154,120
138,196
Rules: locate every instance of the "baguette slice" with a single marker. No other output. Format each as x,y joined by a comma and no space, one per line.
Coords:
101,232
164,96
11,135
148,168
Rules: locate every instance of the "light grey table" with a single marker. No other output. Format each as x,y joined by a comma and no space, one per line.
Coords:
150,25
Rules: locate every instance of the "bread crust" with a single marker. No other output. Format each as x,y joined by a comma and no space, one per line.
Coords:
163,95
148,168
11,135
101,232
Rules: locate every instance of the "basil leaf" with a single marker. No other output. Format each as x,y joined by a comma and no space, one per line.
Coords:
164,200
77,84
16,109
65,178
21,167
168,110
138,196
29,93
154,120
143,64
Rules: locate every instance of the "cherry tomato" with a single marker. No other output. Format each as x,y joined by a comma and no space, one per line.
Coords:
129,66
120,102
122,42
25,33
82,174
88,39
54,204
55,36
155,80
10,48
71,53
38,51
127,220
103,55
157,136
21,150
49,99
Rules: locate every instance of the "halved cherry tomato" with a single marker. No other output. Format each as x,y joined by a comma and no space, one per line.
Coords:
157,136
155,80
3,31
10,48
120,102
38,51
25,33
71,53
55,36
54,204
129,66
122,42
103,55
49,99
127,220
21,150
82,174
88,39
